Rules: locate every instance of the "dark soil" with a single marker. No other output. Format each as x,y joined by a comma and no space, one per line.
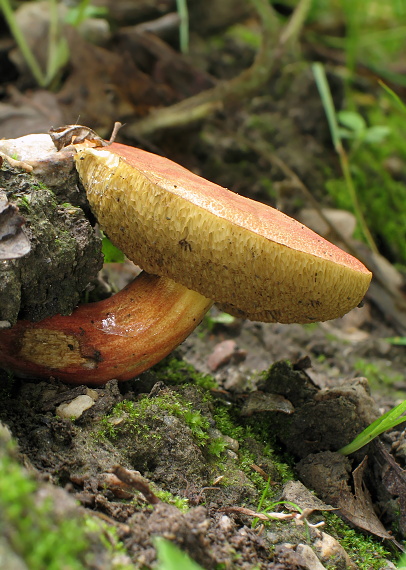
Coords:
144,426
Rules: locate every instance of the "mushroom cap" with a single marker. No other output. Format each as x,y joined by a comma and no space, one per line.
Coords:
251,259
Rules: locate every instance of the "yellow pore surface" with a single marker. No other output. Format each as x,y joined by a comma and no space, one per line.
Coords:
253,260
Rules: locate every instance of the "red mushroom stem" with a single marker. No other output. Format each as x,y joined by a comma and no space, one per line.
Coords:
119,337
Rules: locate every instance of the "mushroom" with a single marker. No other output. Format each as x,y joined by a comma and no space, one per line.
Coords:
198,243
251,259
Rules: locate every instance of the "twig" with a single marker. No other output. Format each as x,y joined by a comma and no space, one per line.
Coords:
135,481
205,103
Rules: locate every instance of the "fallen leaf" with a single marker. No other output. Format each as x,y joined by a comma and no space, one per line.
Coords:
394,479
358,507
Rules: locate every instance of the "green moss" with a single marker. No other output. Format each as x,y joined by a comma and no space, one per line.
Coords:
108,536
29,527
166,497
364,550
174,371
217,446
250,433
137,413
41,186
378,374
40,535
255,448
24,203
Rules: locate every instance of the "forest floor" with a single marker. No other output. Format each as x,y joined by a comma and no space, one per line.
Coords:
244,419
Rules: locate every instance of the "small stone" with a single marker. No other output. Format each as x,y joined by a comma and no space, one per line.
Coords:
294,492
214,433
266,402
342,220
231,443
226,524
231,455
331,552
75,408
223,353
236,381
92,393
309,559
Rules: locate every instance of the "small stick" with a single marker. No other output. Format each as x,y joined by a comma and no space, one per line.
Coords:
135,481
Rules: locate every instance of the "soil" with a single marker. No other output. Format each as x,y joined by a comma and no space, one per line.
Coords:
143,426
238,404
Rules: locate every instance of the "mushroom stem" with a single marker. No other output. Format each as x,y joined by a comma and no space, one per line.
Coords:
119,337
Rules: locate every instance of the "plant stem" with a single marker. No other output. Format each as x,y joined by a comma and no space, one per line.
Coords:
22,44
52,40
206,102
328,104
345,167
295,24
81,13
183,13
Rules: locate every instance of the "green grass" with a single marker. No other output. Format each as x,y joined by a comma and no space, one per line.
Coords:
387,421
381,189
368,133
337,138
170,557
58,50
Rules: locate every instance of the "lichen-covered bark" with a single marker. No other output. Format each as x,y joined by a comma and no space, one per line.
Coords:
65,251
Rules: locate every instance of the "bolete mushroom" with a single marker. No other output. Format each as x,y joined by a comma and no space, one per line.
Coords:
251,259
200,243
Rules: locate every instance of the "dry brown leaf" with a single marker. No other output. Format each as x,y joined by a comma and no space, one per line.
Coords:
358,508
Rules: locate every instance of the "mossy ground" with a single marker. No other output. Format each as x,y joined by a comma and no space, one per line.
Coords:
44,530
178,436
255,447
